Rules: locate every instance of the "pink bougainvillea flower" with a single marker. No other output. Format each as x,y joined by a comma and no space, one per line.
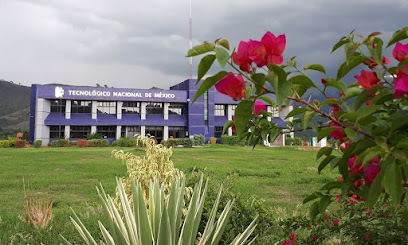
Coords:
274,47
385,60
336,110
338,133
401,85
367,237
231,85
355,168
336,222
257,53
259,106
324,81
286,243
351,202
372,171
400,51
314,238
370,63
357,183
367,79
340,179
241,57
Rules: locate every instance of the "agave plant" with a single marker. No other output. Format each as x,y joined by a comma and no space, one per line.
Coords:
161,223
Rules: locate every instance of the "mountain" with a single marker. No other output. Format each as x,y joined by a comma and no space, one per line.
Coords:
14,108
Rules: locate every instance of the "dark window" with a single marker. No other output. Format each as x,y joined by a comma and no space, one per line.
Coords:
220,110
131,131
79,132
106,107
177,108
177,132
154,108
81,106
58,106
106,131
155,131
131,107
57,132
218,132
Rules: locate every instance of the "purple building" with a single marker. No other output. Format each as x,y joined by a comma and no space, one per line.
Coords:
72,112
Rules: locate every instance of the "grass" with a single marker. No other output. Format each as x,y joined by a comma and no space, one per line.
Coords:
68,176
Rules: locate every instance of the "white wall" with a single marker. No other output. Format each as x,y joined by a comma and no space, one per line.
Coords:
42,110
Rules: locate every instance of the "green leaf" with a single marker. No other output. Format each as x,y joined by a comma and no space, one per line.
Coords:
302,79
351,92
208,83
222,56
399,120
351,50
347,66
367,110
324,202
339,44
375,189
332,185
224,43
398,36
324,163
307,117
259,79
227,125
243,113
268,100
310,198
392,182
316,67
324,151
274,134
248,92
300,89
324,132
336,84
376,53
295,112
277,78
350,133
201,49
204,66
314,210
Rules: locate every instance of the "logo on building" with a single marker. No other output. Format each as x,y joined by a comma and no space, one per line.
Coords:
59,92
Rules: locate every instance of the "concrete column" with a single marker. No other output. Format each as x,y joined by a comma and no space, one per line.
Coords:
143,111
42,131
118,131
229,131
229,112
68,109
67,133
119,110
94,111
283,139
166,132
142,130
93,129
269,108
166,111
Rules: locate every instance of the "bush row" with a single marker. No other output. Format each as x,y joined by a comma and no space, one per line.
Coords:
233,140
125,142
80,143
186,142
293,141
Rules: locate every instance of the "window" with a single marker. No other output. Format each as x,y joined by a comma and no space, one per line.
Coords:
154,108
57,132
131,131
131,107
233,107
220,110
206,108
106,131
79,132
218,132
58,106
177,108
81,106
177,132
106,107
155,131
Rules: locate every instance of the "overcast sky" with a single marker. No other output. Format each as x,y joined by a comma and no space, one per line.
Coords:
140,44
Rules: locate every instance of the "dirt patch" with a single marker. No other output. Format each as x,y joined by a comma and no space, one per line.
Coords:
284,196
59,170
313,169
83,159
308,148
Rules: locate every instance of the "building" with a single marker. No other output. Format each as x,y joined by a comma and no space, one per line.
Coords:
72,112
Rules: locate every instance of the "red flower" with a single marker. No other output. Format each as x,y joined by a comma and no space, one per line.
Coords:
259,106
257,53
231,85
241,57
400,51
274,47
385,60
336,222
367,79
324,81
338,133
233,126
367,237
369,102
351,202
314,238
370,63
401,83
357,183
372,171
340,179
355,168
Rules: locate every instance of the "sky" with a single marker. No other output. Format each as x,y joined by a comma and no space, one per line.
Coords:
141,44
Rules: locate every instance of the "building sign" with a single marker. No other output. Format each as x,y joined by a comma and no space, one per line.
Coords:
114,94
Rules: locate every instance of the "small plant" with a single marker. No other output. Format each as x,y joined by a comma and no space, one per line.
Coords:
125,142
93,136
83,143
161,222
37,143
60,143
73,143
213,140
198,139
20,144
39,213
292,141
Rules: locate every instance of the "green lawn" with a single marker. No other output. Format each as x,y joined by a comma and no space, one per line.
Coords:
68,176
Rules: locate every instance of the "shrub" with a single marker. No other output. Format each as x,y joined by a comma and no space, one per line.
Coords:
20,144
83,143
73,143
105,143
198,139
293,141
4,144
186,142
125,142
213,140
229,140
37,143
94,136
96,142
39,213
60,143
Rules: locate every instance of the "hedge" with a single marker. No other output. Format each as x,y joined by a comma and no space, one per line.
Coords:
295,141
125,142
37,143
60,143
